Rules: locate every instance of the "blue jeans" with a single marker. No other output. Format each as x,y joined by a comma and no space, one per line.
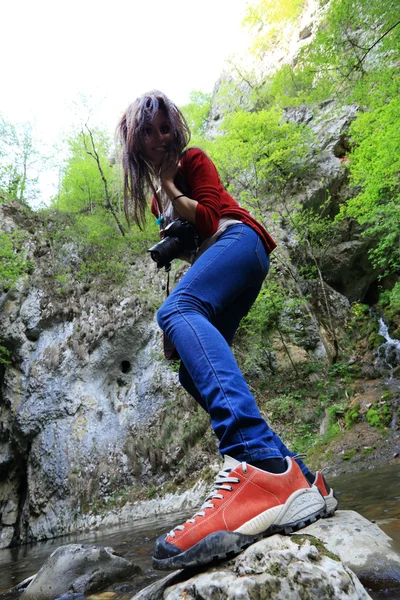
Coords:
200,317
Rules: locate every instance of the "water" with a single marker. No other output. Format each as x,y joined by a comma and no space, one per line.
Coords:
133,542
374,494
389,352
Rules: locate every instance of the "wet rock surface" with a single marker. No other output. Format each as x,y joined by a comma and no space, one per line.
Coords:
362,546
77,568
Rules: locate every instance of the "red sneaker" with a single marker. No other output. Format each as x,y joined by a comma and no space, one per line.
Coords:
327,492
244,505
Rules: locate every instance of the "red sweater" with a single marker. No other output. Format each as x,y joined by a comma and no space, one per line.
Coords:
214,202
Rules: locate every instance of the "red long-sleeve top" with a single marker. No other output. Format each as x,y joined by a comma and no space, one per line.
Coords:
214,202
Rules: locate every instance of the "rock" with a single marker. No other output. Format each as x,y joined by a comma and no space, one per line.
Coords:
362,546
332,558
276,568
70,410
156,590
77,568
346,267
306,32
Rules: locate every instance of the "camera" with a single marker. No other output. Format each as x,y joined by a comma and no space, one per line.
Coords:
179,236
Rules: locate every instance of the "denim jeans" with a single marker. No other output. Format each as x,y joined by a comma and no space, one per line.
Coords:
200,317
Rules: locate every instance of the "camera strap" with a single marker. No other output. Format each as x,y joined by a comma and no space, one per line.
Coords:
168,272
170,352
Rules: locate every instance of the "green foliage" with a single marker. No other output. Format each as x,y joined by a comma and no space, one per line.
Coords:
315,228
103,256
196,113
20,161
349,454
379,415
360,311
352,416
316,232
4,354
390,300
344,371
283,407
375,167
13,258
81,186
266,311
258,153
342,58
351,56
268,18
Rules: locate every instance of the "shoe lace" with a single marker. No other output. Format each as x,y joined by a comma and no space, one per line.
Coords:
300,456
222,482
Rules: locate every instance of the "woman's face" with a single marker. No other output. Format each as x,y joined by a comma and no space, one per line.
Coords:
158,137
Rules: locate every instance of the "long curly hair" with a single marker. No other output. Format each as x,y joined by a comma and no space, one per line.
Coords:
137,172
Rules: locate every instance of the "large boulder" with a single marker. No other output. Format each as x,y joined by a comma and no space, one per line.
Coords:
276,568
77,568
362,546
332,558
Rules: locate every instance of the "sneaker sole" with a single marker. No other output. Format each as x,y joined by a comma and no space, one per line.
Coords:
227,544
332,504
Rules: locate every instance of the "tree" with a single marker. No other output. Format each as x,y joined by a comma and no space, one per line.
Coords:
82,185
258,154
20,161
268,18
196,113
375,168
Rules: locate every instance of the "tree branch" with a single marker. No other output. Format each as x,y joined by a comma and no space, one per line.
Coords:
96,157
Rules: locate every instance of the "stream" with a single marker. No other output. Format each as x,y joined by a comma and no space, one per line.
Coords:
375,494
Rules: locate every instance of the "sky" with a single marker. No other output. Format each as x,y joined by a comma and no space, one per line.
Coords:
111,52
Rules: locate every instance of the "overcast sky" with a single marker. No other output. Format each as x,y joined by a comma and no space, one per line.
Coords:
109,51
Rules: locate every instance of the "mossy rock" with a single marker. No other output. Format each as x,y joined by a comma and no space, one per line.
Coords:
379,415
395,335
352,416
375,340
320,546
349,454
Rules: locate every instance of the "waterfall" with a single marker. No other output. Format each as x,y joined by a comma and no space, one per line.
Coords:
389,352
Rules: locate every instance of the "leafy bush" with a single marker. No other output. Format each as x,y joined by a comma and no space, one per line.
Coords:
100,254
258,153
13,258
4,354
375,167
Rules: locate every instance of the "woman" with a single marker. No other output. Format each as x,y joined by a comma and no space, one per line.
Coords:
261,488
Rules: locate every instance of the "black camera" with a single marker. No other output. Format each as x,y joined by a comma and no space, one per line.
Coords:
179,236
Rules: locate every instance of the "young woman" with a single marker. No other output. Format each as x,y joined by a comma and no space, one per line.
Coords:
261,488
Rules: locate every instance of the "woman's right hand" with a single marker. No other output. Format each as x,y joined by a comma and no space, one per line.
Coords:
168,172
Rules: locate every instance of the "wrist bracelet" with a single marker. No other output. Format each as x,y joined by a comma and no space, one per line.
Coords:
176,197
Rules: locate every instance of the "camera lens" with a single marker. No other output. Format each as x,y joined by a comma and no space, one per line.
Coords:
165,251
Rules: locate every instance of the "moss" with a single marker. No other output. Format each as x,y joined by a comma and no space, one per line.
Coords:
348,454
352,416
277,570
320,546
368,450
373,418
379,415
375,340
151,492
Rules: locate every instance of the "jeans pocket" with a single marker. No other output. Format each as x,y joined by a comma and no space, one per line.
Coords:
263,256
